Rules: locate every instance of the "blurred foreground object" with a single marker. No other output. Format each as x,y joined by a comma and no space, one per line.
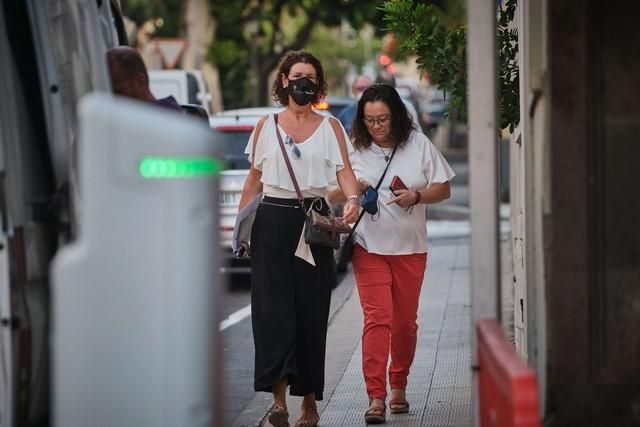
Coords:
135,297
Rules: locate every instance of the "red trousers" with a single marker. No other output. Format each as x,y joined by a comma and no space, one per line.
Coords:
389,288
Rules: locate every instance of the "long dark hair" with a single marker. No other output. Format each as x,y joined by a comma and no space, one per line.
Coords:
280,93
401,122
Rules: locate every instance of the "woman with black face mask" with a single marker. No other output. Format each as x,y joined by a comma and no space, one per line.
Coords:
291,281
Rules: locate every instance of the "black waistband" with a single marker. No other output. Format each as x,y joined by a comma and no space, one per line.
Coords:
290,202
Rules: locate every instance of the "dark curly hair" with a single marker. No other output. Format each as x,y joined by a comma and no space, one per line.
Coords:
401,122
280,93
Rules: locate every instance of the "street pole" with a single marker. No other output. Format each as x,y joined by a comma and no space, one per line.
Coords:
483,167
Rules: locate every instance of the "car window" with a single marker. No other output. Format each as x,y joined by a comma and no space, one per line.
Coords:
192,89
233,145
233,129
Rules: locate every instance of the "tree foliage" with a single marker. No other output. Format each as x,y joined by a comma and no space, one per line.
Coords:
169,10
339,50
441,52
272,27
509,76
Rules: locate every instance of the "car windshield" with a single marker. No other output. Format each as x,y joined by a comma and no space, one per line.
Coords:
233,145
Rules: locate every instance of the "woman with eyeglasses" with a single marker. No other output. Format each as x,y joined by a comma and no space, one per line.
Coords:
390,250
291,281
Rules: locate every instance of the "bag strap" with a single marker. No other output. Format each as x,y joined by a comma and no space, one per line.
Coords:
288,162
353,229
386,169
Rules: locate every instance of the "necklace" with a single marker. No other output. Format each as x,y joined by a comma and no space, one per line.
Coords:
384,153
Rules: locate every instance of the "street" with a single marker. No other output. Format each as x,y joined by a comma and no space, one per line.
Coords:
238,349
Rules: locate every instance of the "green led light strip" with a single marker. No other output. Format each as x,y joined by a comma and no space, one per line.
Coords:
179,167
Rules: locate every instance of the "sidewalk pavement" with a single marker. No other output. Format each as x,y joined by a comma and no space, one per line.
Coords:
439,389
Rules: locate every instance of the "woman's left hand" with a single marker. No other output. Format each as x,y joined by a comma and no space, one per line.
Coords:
405,198
350,211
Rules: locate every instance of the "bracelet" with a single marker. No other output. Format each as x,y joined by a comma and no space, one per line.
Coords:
354,197
418,198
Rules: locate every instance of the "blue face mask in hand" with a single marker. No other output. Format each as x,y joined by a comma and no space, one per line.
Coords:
370,201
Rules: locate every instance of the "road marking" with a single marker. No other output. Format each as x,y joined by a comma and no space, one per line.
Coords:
236,317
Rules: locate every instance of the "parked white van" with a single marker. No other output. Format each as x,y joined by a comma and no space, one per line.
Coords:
186,86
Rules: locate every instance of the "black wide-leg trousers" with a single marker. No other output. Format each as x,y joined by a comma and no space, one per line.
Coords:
290,300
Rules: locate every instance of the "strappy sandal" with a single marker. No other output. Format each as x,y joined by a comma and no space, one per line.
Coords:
303,421
279,416
399,406
375,415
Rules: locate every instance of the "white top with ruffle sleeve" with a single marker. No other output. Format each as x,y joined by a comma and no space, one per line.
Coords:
315,170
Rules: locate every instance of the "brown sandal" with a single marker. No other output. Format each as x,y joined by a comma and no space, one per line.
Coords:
399,406
279,417
375,415
313,421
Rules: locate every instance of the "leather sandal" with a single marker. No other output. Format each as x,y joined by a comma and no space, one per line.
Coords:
375,415
305,421
399,406
279,416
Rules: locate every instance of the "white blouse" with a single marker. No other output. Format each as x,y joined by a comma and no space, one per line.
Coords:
394,231
315,170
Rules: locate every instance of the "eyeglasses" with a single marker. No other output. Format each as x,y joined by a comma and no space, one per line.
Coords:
371,121
295,151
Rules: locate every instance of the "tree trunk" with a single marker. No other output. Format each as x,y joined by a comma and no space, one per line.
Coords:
266,67
198,25
199,28
211,76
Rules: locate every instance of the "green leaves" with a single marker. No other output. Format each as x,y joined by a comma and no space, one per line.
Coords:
441,51
508,73
169,10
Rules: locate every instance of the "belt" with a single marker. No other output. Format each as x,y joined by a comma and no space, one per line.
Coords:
289,203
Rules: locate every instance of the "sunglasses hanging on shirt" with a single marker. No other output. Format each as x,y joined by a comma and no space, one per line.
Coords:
295,151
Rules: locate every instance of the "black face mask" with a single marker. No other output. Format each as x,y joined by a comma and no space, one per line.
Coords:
303,90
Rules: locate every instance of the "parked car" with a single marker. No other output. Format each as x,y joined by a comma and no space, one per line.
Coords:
434,111
233,128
